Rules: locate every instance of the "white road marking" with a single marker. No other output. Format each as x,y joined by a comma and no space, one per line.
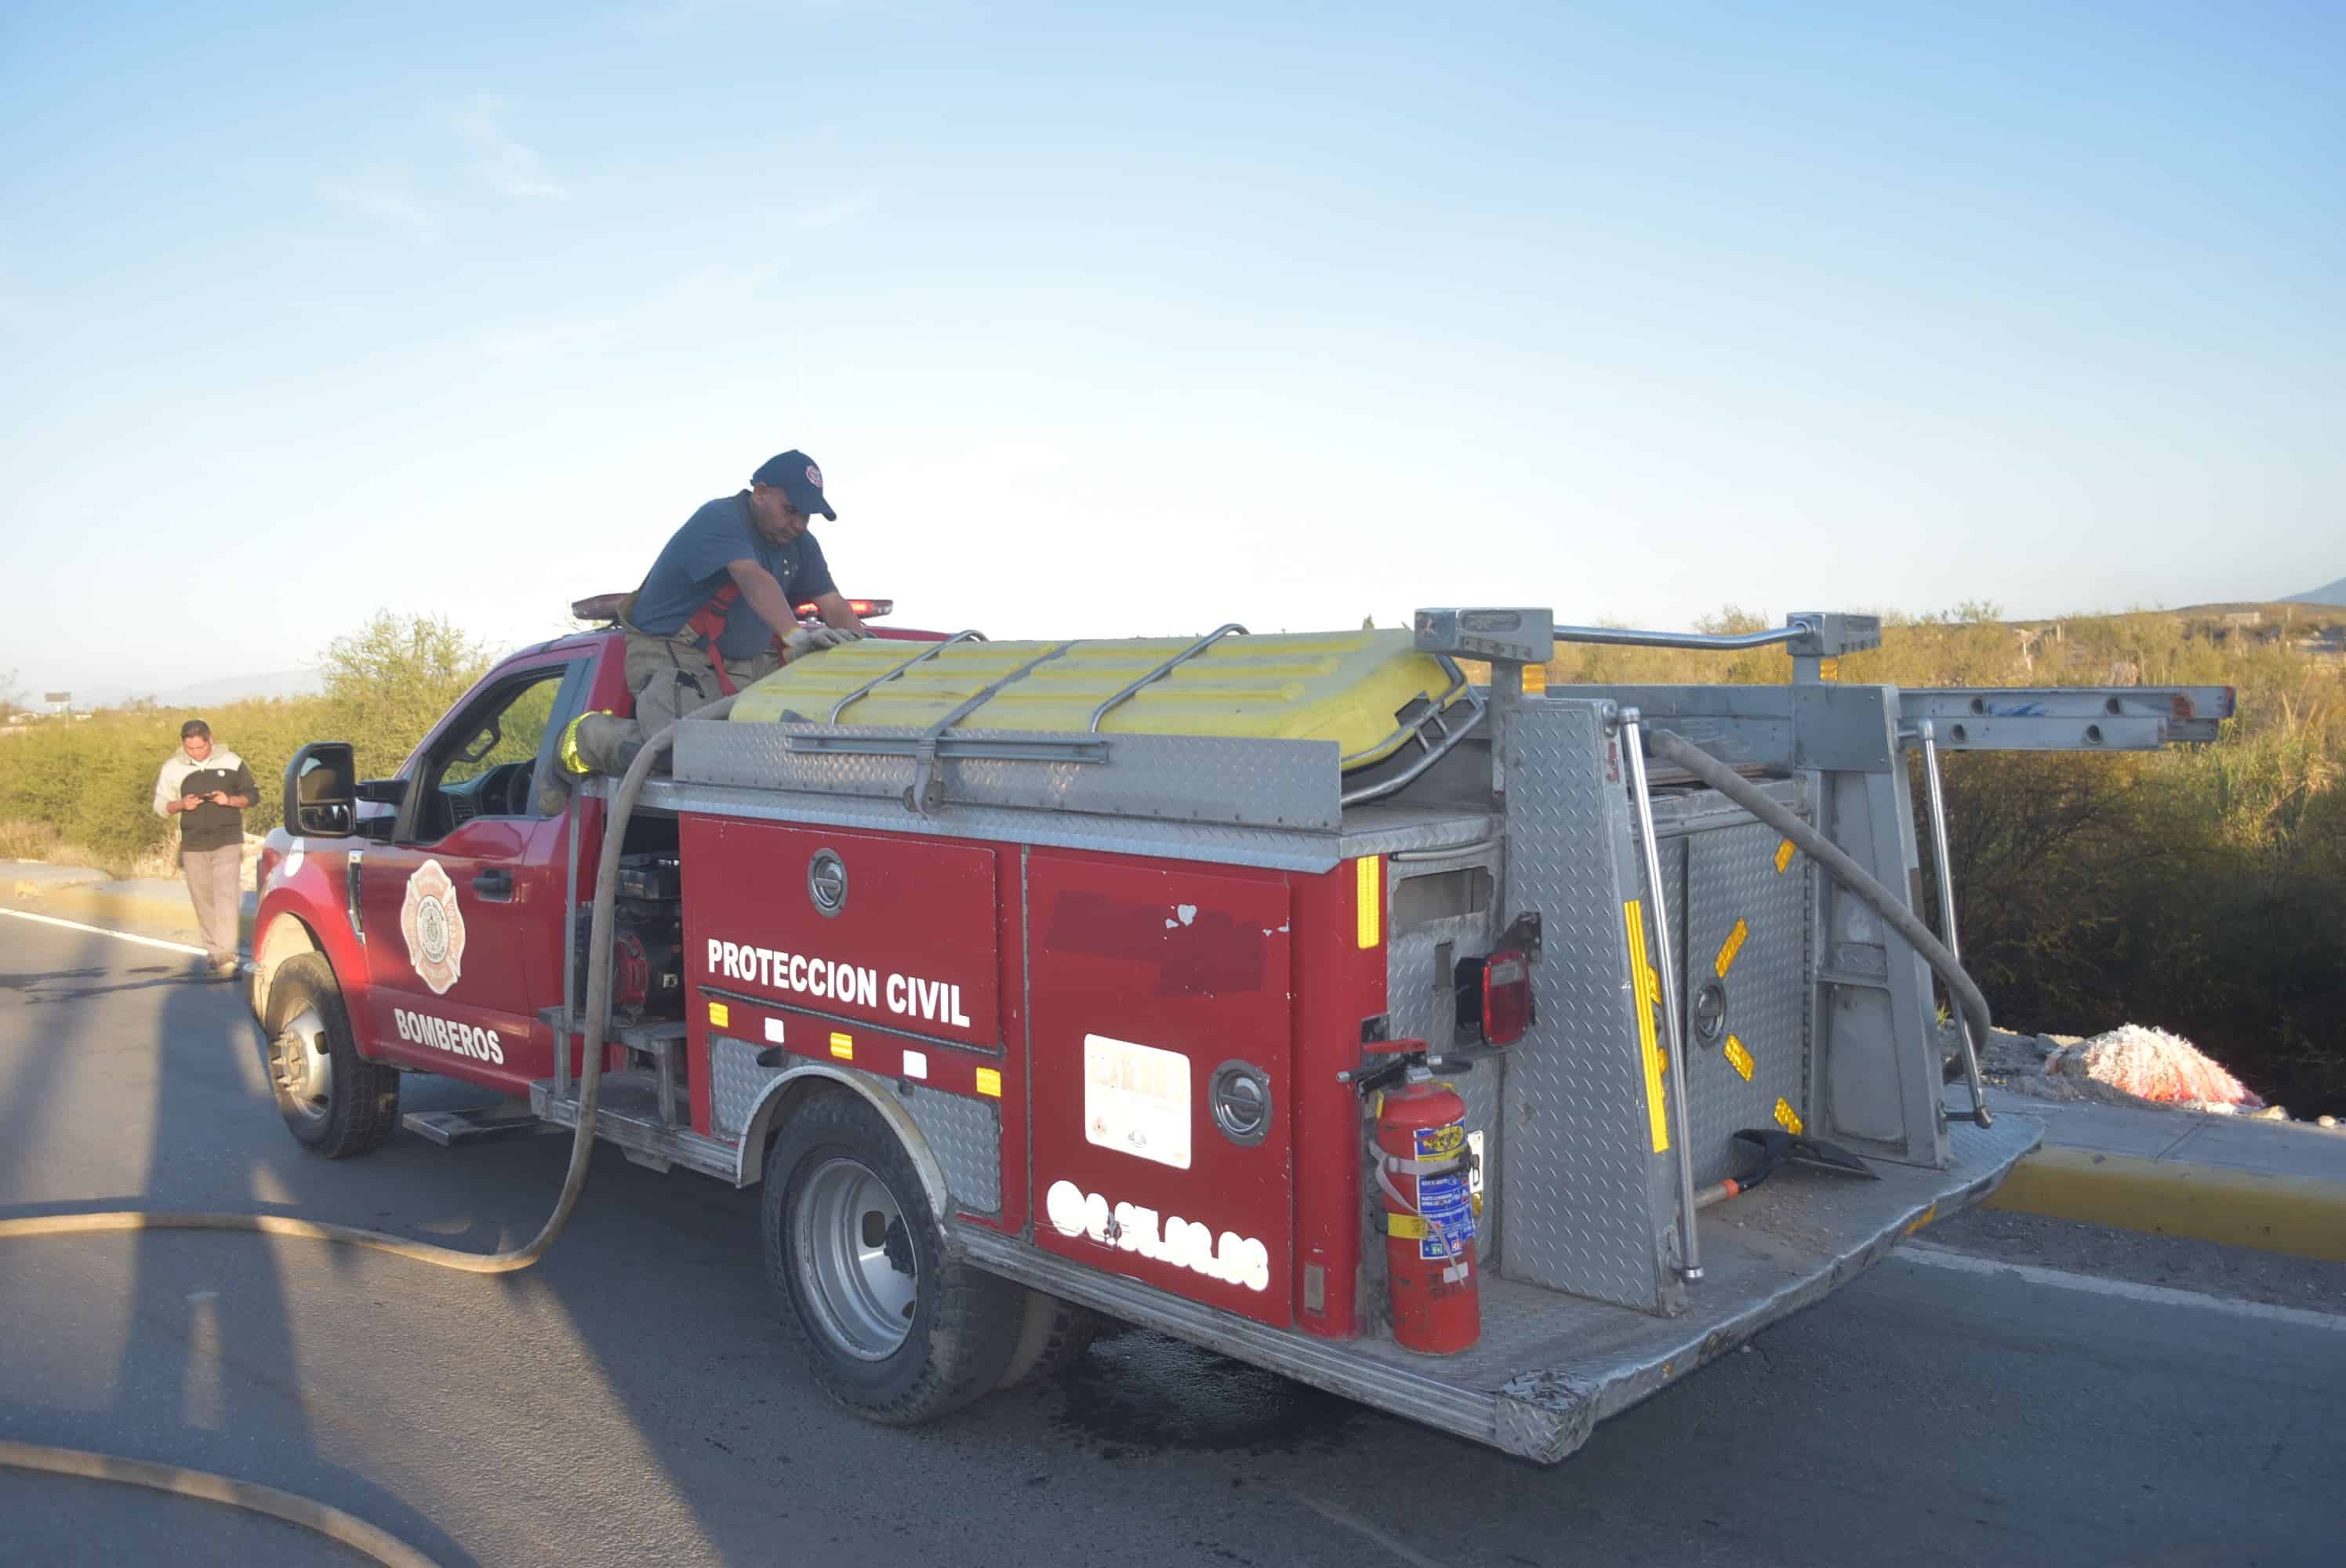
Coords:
2155,1295
101,931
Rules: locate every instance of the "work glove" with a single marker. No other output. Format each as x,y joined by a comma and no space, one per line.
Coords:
814,639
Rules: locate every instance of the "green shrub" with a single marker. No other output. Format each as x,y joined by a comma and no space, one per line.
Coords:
89,783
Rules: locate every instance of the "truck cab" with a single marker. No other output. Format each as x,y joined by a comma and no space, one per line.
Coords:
436,910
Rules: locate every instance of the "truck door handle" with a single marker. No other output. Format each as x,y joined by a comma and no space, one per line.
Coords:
493,885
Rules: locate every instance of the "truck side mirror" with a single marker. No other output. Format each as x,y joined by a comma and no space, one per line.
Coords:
321,789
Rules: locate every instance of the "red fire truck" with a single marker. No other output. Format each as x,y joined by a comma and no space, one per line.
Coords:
1485,1055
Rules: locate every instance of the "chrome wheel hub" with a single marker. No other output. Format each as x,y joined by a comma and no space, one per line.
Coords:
303,1066
854,1259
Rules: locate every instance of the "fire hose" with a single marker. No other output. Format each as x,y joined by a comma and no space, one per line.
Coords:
332,1522
1841,867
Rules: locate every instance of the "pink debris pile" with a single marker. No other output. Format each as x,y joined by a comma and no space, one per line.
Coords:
2152,1064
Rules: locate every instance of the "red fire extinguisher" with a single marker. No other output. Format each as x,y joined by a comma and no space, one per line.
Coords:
1424,1171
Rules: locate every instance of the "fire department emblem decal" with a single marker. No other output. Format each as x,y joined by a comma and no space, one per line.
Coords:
433,927
815,476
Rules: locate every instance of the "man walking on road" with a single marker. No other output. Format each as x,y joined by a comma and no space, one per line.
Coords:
717,609
207,788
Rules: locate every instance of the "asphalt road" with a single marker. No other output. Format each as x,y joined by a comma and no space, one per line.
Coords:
632,1400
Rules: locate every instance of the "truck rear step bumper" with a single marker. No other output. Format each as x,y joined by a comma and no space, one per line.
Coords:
1549,1366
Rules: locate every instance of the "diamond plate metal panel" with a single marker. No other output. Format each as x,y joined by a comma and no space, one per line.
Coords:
1420,1009
1576,1163
1212,843
1387,830
1368,830
1417,1010
965,1135
1731,877
1180,778
735,1083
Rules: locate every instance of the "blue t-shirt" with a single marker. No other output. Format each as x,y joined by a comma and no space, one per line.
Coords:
691,569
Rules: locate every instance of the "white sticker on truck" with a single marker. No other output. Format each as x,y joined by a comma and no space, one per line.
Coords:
907,996
447,1034
1232,1259
1137,1100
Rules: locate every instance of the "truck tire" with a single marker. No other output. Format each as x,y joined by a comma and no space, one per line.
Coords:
335,1102
888,1326
1051,1335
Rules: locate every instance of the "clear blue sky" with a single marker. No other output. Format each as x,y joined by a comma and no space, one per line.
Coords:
1113,319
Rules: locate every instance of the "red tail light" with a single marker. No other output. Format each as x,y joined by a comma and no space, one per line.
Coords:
1506,998
1494,996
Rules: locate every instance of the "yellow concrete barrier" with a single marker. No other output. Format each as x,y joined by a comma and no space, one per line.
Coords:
2295,1214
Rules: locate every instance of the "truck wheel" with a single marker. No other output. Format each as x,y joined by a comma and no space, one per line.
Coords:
888,1326
1051,1335
334,1101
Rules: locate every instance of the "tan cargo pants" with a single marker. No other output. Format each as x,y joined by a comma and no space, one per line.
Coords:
213,886
671,679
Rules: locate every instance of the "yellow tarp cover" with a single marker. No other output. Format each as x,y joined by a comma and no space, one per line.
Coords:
1345,687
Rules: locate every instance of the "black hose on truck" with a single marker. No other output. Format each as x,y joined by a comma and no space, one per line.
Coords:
1837,862
332,1522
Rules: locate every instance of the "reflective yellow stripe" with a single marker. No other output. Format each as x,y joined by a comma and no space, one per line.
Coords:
1371,898
568,753
1738,1058
1784,856
843,1046
1648,987
1733,945
1828,670
1788,1118
719,1014
989,1082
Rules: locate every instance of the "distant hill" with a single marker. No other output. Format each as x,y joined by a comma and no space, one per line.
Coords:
2335,594
211,693
2306,609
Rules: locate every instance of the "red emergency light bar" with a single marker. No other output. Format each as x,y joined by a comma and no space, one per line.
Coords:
865,609
607,608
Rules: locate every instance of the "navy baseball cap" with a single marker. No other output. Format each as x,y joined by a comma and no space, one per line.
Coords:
799,481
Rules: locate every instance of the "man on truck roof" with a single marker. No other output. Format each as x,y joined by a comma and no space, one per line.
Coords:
717,608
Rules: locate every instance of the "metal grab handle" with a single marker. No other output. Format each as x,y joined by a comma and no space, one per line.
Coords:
1633,742
1622,637
1407,776
1947,915
926,791
1432,719
1162,670
887,675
